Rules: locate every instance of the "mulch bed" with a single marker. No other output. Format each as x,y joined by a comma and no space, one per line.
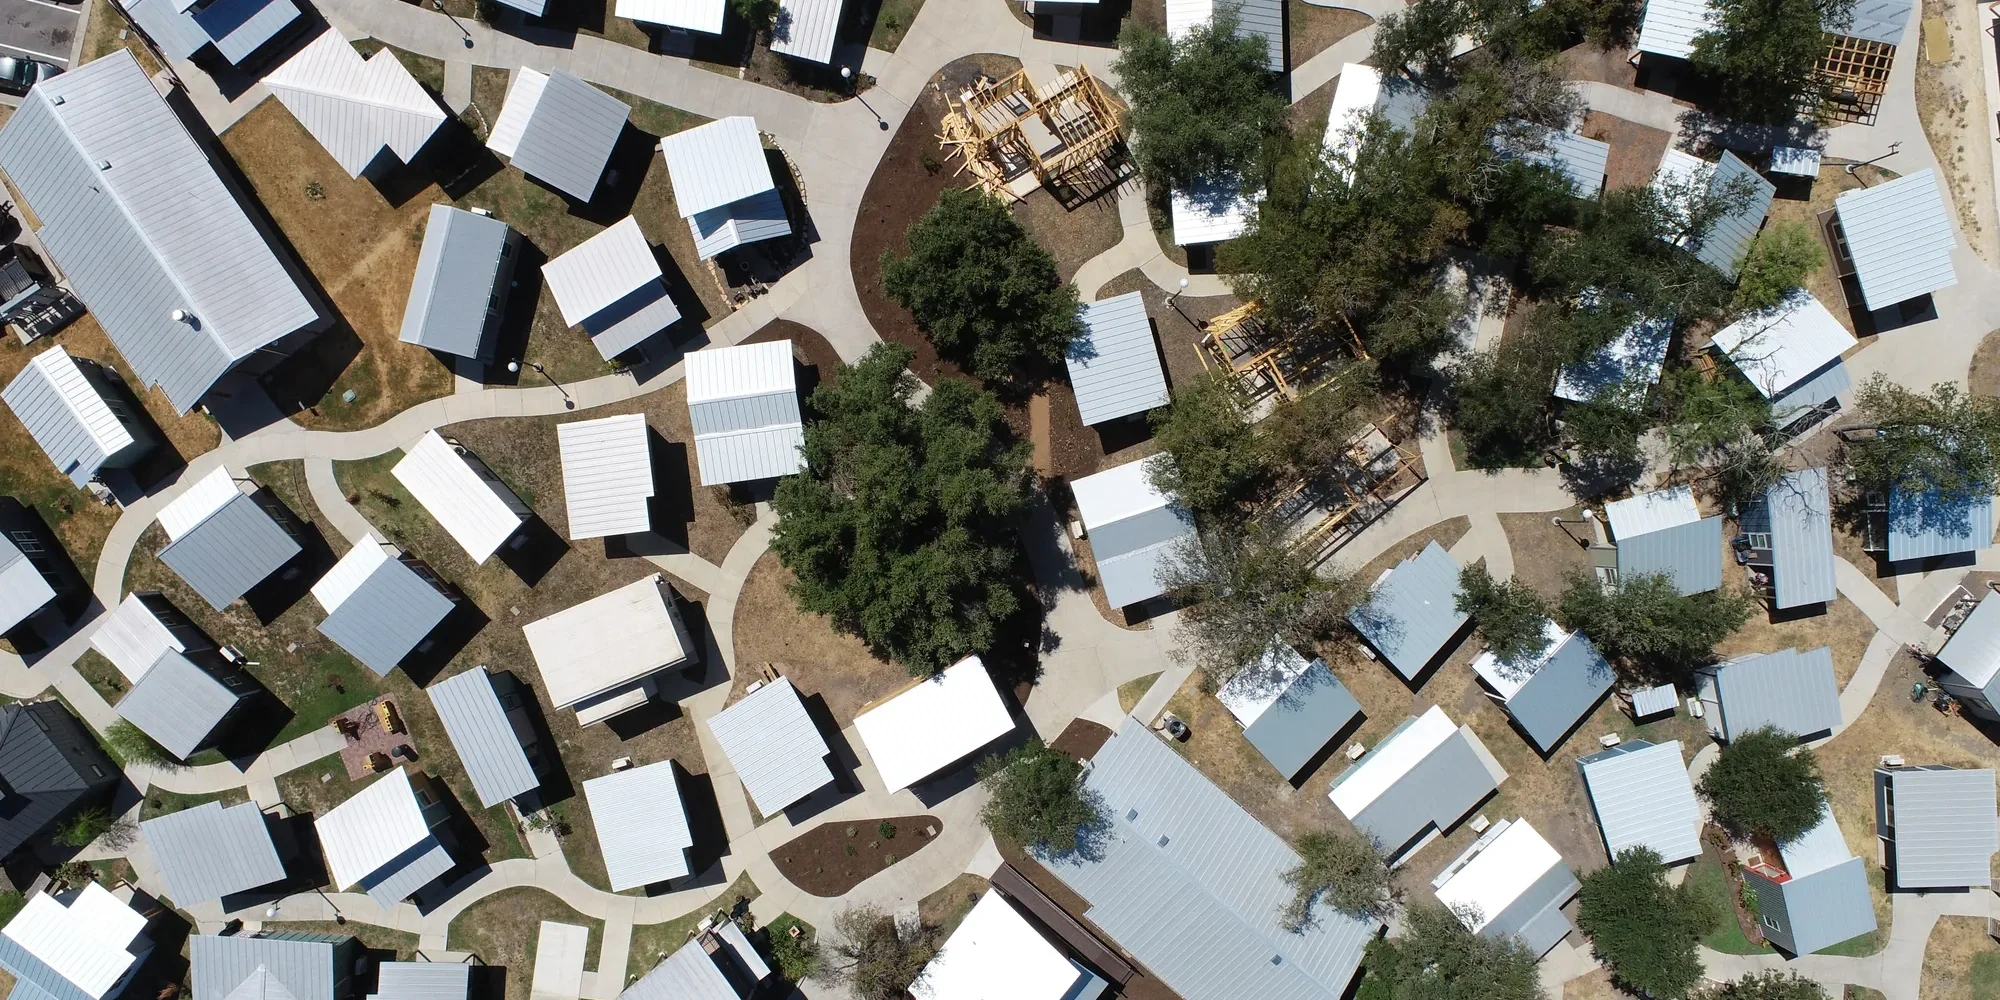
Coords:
374,738
1081,739
1635,149
832,858
1312,28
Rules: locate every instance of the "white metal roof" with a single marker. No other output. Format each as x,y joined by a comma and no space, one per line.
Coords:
133,639
373,828
1670,26
1795,161
1381,769
601,270
1259,686
806,29
1900,237
454,493
196,503
607,469
1354,97
65,414
1508,679
1650,512
23,588
743,406
1817,849
1499,874
1636,356
607,642
774,746
350,572
694,15
717,164
916,733
718,373
1261,19
355,107
1644,798
522,95
1117,493
1776,350
1210,212
642,825
86,942
993,950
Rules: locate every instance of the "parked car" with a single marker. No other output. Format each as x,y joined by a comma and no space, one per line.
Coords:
18,75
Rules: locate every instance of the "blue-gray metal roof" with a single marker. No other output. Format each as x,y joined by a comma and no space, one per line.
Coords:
387,616
302,964
1130,553
1296,727
1730,237
231,551
1644,798
178,704
1946,826
1689,553
1815,911
1973,652
1923,525
569,138
389,887
211,851
773,744
422,981
1787,689
1535,916
1900,236
689,973
1562,691
1800,516
1414,612
477,724
1879,20
1115,366
176,33
1580,159
1436,792
631,321
1191,885
241,27
66,410
457,277
40,979
758,217
1823,385
50,763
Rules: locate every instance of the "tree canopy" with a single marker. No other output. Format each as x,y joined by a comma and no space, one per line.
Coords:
1036,797
1342,870
1945,440
1436,958
1202,104
1643,928
900,530
1768,985
1646,627
1764,782
1245,587
1499,403
1213,459
1762,54
877,956
1510,616
982,289
1778,262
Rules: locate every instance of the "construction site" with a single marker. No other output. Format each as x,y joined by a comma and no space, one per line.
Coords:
1013,137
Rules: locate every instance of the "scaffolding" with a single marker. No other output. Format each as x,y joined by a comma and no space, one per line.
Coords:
1853,75
1013,137
1373,475
1263,364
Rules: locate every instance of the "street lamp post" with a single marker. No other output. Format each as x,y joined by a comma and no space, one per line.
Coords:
847,73
568,402
1174,300
1893,147
438,5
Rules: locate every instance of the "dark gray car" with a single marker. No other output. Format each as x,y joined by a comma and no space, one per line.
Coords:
17,75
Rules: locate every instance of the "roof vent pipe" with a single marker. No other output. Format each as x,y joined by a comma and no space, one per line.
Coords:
180,315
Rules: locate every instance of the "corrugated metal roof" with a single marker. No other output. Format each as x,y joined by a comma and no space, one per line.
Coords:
1801,525
1115,366
1133,529
934,723
200,500
1811,912
1900,238
1507,882
389,612
1655,700
773,745
178,704
716,165
535,7
1730,238
1578,158
744,409
1644,798
995,944
1311,710
66,415
176,34
1562,691
75,947
1945,827
806,29
642,825
1795,161
132,637
230,551
470,710
694,15
608,643
1973,652
687,974
1821,387
1263,19
457,278
1670,26
1191,885
721,373
211,851
1210,211
422,981
241,27
23,588
603,272
1778,349
1691,554
1361,91
523,93
301,965
607,471
758,217
370,838
1790,690
1635,357
469,506
1425,773
1650,512
50,763
1922,525
569,134
154,232
356,107
1413,612
1879,20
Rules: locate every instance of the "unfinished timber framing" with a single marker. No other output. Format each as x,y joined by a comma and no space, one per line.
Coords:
1262,363
1012,137
1854,74
1374,475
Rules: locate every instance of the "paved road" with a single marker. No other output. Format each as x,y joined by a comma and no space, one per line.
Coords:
38,28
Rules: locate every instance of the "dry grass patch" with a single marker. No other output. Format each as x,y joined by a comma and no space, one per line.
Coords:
1131,691
1311,29
948,906
1984,377
1544,554
819,659
652,943
1961,962
103,37
502,930
1842,627
1951,105
1595,985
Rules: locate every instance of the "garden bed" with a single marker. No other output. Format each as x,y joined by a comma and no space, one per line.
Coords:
1082,738
831,859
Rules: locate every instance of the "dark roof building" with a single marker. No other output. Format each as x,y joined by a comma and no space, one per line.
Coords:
50,768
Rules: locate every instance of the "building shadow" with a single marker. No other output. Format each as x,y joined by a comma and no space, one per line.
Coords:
618,187
444,642
533,551
704,814
964,772
455,159
275,594
671,509
1082,24
255,730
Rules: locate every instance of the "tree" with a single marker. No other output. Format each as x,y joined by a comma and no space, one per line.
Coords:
1763,54
758,14
1647,626
1511,617
1303,438
1779,261
84,828
1705,416
1603,433
1764,782
1946,440
1767,985
1245,588
984,292
1645,929
1214,462
1499,403
1436,958
1622,263
876,956
1202,104
128,743
797,958
1342,870
901,529
1036,797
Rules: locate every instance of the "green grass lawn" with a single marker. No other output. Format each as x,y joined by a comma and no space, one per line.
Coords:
892,22
1727,937
160,802
653,942
428,71
99,671
382,939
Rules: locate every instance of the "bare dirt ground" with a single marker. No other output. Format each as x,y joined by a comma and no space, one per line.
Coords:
1542,552
1984,378
1951,102
806,648
1635,149
1071,236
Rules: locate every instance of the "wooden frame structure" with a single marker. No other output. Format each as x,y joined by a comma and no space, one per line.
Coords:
1854,74
1259,361
1376,475
1066,136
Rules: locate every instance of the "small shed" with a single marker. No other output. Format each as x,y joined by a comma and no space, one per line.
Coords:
642,825
381,603
1899,237
24,591
743,405
1787,689
1938,826
486,735
1972,659
1791,354
1511,884
1663,532
723,185
466,498
1133,529
235,29
1811,892
386,839
933,724
1669,27
607,472
1927,525
996,943
1634,359
186,706
1411,614
774,745
1260,19
807,29
426,980
81,945
1418,782
358,109
210,851
1788,534
692,15
1289,709
459,292
1115,366
1211,210
1581,160
1644,798
560,130
142,626
1795,161
1682,176
1549,693
599,657
612,286
717,964
224,536
77,412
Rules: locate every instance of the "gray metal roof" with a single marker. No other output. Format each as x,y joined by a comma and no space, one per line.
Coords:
1946,826
1412,614
387,615
1580,159
303,965
1644,798
758,217
1263,19
1436,792
748,437
1535,916
1820,387
67,414
1296,727
178,704
1879,20
1729,240
1922,525
690,973
457,277
23,588
569,138
231,551
176,34
716,165
1689,553
642,825
154,232
422,981
1189,884
1800,519
773,745
1790,690
400,884
236,28
1814,911
1900,237
1567,686
1130,553
1973,652
1115,366
212,851
477,724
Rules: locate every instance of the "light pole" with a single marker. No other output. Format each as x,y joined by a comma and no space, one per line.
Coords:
1893,147
338,917
438,5
1174,300
568,403
1564,523
847,73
